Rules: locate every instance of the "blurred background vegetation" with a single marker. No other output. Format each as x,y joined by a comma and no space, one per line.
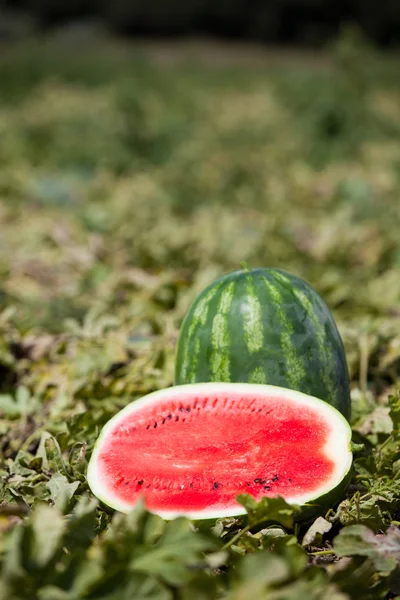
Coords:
132,174
299,21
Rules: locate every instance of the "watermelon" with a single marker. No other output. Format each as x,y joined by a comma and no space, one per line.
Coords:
191,449
264,326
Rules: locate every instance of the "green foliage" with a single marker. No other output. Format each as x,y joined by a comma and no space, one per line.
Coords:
124,190
57,555
268,509
358,540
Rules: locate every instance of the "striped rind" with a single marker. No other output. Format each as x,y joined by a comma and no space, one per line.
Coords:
198,319
337,447
264,326
295,370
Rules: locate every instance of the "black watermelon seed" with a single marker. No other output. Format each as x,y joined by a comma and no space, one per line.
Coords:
181,409
263,481
289,479
275,478
248,483
148,427
155,425
188,409
257,480
191,485
169,417
267,487
140,482
127,482
162,422
215,486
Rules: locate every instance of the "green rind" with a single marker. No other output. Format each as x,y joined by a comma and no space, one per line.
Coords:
320,506
276,330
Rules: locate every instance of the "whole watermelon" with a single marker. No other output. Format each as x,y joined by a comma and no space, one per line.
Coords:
264,326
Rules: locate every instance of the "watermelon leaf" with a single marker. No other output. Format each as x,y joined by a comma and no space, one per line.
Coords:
276,510
382,549
283,574
177,550
23,405
61,491
315,533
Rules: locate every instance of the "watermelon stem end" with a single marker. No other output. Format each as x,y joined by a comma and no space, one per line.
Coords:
244,265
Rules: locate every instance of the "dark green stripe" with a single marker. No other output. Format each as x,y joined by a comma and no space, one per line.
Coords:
189,354
321,348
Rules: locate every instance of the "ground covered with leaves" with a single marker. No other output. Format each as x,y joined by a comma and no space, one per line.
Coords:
125,188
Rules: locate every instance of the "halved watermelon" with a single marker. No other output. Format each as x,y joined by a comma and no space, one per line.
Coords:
191,449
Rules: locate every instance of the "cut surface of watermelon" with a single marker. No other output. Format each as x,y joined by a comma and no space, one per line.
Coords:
191,449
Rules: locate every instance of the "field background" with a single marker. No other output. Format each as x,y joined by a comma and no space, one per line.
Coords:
130,177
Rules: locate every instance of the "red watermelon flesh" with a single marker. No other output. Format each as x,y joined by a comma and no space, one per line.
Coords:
192,449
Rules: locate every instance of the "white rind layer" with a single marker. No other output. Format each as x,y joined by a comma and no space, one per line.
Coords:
337,447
